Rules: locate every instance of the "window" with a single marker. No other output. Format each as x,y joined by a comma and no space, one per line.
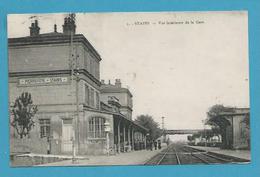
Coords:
45,128
86,60
94,68
92,97
86,94
91,67
97,100
97,127
98,71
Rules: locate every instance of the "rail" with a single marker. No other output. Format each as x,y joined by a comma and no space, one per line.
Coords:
179,154
177,157
158,163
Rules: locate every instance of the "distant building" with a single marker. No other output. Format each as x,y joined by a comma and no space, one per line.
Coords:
118,99
41,64
237,131
123,95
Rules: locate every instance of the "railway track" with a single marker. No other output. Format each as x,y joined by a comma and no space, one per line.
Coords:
179,154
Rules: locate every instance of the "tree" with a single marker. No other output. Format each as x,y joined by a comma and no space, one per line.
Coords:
148,122
217,121
193,136
23,112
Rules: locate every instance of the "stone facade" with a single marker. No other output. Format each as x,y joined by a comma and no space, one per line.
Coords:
237,132
122,94
41,65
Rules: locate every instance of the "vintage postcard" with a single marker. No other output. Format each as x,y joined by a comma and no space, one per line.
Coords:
154,88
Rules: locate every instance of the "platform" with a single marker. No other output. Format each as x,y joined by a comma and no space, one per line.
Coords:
242,154
127,158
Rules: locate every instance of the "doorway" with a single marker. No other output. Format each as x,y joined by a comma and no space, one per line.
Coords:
67,135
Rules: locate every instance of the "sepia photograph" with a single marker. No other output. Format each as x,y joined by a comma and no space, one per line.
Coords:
128,88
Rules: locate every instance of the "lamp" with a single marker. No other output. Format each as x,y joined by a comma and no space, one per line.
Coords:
107,130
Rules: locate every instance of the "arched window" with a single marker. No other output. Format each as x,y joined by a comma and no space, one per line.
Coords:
96,127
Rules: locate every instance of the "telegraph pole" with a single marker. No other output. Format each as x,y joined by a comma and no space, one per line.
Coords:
74,73
204,126
163,123
164,136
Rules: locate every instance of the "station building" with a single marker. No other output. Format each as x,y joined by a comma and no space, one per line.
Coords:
120,100
123,94
41,64
237,131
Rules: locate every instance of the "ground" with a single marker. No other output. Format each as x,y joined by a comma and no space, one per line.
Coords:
243,154
129,158
139,157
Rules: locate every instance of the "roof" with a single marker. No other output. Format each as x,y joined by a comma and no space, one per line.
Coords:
236,111
52,38
233,114
118,115
109,88
122,116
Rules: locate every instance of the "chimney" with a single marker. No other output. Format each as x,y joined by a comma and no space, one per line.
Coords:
118,83
69,26
34,29
55,28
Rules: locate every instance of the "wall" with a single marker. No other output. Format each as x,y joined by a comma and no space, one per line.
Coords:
51,57
38,58
126,112
239,132
123,100
55,100
36,144
121,96
88,61
95,146
82,100
42,94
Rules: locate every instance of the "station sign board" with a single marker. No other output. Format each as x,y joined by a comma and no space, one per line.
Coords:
43,81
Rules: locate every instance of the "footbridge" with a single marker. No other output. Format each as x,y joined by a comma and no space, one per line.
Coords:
185,131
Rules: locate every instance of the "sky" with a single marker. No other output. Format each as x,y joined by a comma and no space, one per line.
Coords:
176,64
